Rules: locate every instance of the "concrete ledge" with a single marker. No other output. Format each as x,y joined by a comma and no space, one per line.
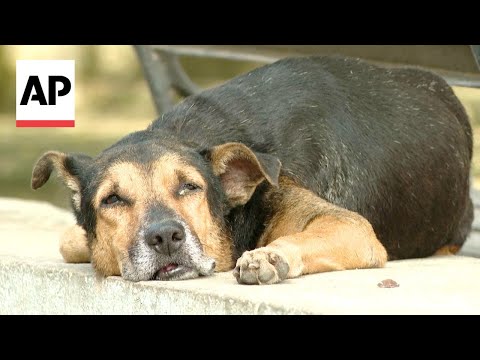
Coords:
36,281
446,285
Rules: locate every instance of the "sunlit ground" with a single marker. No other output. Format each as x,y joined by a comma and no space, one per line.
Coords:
109,104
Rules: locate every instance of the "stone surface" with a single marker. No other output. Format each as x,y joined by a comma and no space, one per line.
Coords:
34,280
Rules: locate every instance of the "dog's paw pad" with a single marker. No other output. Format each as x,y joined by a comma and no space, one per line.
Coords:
260,266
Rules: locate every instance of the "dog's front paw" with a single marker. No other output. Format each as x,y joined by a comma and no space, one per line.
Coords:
74,246
261,266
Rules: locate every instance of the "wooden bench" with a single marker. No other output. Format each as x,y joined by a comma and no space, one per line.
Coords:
458,64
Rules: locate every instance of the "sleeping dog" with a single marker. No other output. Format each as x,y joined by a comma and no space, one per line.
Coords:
306,165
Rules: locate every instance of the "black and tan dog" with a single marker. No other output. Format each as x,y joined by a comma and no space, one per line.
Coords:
302,166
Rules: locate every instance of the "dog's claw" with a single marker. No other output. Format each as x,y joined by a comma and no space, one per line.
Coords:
236,273
261,266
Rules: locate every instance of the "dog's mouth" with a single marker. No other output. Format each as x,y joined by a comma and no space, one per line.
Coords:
169,268
174,271
143,263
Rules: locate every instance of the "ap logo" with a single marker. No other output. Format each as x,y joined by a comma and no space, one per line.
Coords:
45,93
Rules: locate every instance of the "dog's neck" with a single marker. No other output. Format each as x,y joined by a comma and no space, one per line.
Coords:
246,223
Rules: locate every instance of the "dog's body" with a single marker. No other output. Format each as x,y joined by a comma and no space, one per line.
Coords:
360,147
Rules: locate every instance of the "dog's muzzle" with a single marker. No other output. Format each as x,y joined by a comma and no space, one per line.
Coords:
166,250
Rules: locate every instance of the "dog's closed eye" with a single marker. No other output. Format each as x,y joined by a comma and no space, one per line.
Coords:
187,188
112,200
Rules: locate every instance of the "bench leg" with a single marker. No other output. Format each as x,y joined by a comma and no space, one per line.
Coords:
157,77
164,72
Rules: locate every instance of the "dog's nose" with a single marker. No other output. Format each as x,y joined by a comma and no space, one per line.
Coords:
165,237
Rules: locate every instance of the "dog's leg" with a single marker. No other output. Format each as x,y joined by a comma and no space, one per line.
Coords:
324,238
74,246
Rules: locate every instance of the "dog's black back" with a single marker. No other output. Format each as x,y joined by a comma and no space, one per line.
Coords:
393,145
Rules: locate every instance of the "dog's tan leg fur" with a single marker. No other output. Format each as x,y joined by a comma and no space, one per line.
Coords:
74,246
330,243
447,250
310,235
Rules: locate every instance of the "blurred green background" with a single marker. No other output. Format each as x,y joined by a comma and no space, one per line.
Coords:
112,99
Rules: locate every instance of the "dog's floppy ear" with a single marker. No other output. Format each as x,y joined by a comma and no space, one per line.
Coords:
241,170
68,167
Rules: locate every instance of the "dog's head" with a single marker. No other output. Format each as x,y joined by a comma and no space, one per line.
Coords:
154,208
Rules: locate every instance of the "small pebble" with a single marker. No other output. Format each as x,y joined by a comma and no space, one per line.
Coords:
388,283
